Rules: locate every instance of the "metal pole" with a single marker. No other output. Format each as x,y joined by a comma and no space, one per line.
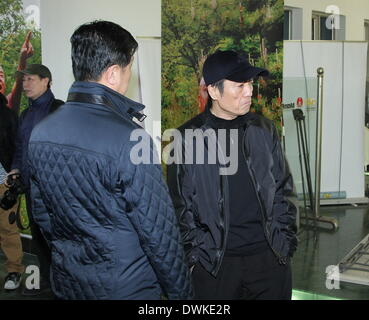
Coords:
301,169
318,146
307,167
319,120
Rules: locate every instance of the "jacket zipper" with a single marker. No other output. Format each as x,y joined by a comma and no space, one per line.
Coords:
263,218
220,252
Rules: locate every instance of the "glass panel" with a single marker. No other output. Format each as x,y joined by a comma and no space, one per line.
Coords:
325,33
300,94
287,25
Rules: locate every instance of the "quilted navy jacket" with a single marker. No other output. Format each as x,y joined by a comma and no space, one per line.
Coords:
109,222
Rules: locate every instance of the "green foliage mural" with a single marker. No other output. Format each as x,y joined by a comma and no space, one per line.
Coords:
12,19
192,29
13,31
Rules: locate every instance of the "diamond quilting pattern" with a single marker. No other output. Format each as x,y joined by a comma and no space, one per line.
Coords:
78,185
157,216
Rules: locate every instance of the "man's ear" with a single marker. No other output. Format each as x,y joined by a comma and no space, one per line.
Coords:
213,92
111,76
46,81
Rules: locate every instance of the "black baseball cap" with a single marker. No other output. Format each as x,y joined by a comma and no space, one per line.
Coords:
231,66
38,69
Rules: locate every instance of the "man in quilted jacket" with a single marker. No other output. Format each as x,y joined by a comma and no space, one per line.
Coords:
109,220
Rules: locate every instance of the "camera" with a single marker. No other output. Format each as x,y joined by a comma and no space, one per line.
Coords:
10,196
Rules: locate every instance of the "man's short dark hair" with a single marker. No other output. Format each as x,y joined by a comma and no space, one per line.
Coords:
220,86
48,84
98,45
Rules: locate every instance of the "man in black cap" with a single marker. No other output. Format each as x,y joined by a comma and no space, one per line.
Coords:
237,225
36,86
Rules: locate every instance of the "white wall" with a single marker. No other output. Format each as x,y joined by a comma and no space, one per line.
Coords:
356,11
59,19
344,66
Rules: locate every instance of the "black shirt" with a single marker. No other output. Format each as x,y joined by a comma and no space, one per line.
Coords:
246,234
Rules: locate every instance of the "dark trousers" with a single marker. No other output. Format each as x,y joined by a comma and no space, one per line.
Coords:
39,245
257,277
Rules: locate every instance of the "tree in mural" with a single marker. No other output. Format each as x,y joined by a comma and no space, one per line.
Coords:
12,19
19,41
193,29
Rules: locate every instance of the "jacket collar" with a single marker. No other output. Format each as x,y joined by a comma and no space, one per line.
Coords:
95,93
210,121
42,100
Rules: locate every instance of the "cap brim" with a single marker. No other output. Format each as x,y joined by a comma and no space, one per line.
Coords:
20,73
247,73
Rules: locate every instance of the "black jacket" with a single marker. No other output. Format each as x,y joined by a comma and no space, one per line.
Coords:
8,132
201,199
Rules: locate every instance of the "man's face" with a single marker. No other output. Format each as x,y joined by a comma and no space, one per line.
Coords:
235,100
34,86
125,76
2,81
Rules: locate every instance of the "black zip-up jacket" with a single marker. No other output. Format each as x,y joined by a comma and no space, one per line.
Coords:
201,199
8,132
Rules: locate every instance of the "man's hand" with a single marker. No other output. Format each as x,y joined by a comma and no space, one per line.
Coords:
14,171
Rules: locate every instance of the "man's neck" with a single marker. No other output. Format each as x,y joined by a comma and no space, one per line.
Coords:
219,113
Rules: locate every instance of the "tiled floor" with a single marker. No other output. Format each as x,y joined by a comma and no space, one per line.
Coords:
317,249
28,259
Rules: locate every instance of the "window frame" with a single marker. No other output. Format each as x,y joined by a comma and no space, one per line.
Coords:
316,27
289,35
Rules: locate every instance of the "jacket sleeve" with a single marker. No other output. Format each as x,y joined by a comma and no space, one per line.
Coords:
149,208
40,213
17,159
13,133
284,210
180,184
